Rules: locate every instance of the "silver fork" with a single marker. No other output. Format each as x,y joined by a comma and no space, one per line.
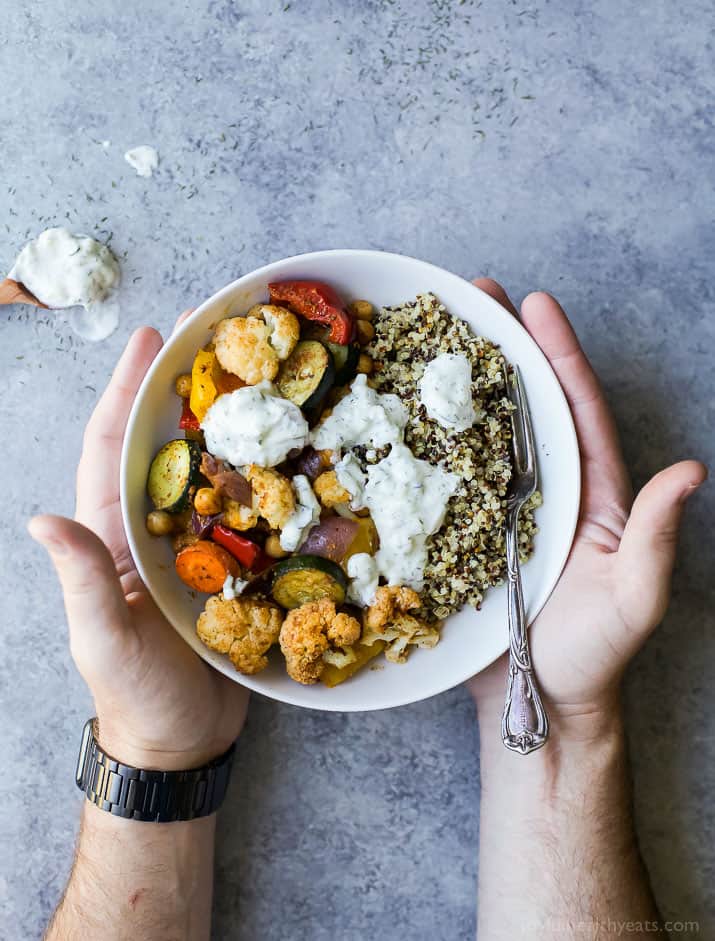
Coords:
525,725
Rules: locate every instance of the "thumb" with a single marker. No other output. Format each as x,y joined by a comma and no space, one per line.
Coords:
94,601
648,547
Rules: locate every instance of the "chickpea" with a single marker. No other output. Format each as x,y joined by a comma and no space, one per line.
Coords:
207,501
365,332
159,523
362,310
365,364
273,547
183,385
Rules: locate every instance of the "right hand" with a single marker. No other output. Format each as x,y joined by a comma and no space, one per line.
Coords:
615,587
158,704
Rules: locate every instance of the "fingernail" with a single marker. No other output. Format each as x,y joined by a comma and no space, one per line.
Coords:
689,491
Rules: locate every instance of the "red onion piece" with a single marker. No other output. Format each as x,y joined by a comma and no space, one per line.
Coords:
330,539
234,486
310,463
226,481
202,525
209,465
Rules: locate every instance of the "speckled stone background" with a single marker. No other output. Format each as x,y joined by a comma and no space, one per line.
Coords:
559,145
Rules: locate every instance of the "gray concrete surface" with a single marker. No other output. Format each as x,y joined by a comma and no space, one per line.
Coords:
552,145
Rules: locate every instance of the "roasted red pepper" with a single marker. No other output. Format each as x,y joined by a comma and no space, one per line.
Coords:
248,553
316,301
188,421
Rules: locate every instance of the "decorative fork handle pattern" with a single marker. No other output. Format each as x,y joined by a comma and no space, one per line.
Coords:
525,725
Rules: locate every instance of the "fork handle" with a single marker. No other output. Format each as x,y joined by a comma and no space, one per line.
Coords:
525,725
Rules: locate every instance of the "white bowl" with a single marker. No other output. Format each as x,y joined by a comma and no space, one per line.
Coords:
471,640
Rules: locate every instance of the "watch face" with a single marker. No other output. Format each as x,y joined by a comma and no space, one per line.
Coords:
83,749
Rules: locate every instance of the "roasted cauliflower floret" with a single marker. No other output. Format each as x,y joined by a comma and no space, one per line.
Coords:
237,516
273,497
244,628
253,346
283,326
242,348
310,634
388,619
329,490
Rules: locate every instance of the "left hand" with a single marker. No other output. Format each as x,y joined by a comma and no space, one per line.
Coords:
158,704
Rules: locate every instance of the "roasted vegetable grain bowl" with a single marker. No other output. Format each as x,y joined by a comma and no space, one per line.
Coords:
316,368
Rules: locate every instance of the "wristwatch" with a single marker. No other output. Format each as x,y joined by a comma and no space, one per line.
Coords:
158,796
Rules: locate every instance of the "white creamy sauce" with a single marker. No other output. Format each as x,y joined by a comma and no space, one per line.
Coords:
362,417
305,515
364,574
143,159
407,499
254,425
350,475
233,587
66,270
446,391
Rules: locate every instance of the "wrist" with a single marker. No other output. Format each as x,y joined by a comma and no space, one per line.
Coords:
584,757
573,724
153,755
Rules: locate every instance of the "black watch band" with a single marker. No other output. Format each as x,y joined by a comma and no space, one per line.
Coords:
158,796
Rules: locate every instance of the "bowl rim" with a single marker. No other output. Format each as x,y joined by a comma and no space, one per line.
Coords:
456,679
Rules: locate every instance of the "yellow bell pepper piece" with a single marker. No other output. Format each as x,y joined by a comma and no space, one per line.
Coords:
204,376
332,675
366,538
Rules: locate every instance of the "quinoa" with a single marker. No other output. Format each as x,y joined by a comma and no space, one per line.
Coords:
468,554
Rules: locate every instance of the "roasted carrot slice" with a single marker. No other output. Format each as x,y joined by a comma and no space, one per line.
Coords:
205,565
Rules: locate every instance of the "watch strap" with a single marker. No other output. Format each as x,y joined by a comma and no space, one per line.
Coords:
156,796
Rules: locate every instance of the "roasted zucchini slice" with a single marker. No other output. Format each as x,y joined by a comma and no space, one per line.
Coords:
307,375
345,357
173,472
305,578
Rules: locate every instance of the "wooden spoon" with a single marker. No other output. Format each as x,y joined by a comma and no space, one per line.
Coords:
14,292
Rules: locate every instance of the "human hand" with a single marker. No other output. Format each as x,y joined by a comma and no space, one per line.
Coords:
158,704
615,587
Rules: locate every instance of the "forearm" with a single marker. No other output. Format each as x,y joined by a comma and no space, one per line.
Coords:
558,854
138,880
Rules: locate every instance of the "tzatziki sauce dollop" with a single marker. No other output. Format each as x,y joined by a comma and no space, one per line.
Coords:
350,476
407,499
254,425
304,517
446,391
66,270
364,578
363,416
143,159
233,587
